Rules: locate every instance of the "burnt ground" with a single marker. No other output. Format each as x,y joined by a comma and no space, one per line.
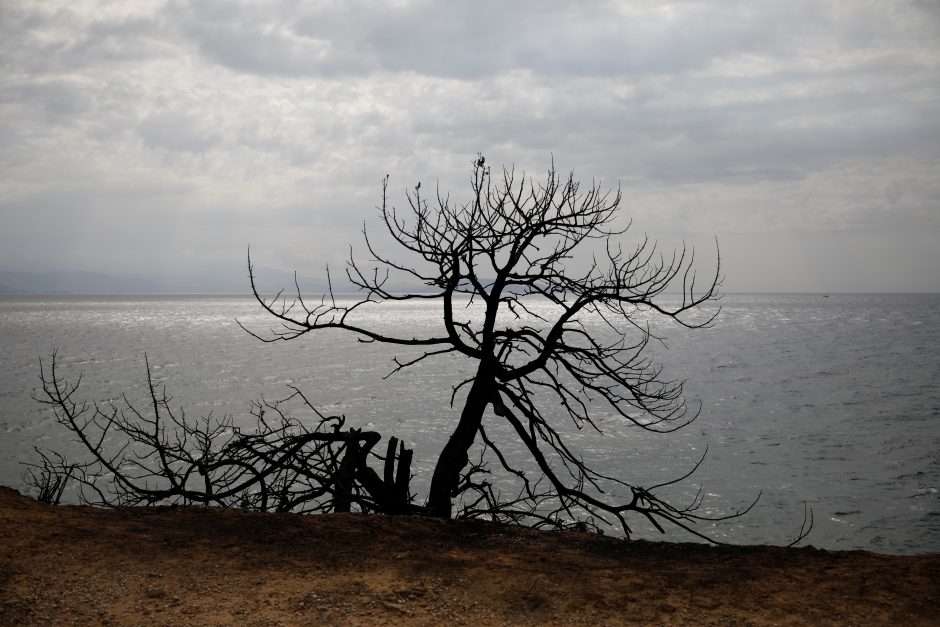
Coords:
206,566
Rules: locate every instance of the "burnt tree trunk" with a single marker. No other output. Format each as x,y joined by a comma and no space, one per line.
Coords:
454,456
390,492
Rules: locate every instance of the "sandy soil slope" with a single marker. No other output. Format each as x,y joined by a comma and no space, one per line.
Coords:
201,566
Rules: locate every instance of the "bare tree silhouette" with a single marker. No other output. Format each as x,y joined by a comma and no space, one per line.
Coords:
512,245
550,348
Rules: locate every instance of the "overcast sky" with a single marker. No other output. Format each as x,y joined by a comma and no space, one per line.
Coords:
163,138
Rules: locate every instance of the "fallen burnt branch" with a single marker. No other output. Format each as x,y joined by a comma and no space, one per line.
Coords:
159,456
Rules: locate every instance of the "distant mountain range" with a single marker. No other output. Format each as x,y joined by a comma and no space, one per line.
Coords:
72,282
77,282
99,283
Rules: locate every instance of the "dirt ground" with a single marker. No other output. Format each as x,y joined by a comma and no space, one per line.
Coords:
202,566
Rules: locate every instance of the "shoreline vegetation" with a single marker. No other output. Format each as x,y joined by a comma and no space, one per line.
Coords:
204,566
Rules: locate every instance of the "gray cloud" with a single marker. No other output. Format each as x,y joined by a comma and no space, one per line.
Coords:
477,39
176,130
187,130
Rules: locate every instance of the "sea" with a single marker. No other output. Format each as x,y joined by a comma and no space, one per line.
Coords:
817,403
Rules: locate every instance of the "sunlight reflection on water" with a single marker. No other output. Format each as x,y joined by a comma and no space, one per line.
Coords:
834,401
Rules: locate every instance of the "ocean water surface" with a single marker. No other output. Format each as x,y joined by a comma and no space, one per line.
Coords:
829,401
